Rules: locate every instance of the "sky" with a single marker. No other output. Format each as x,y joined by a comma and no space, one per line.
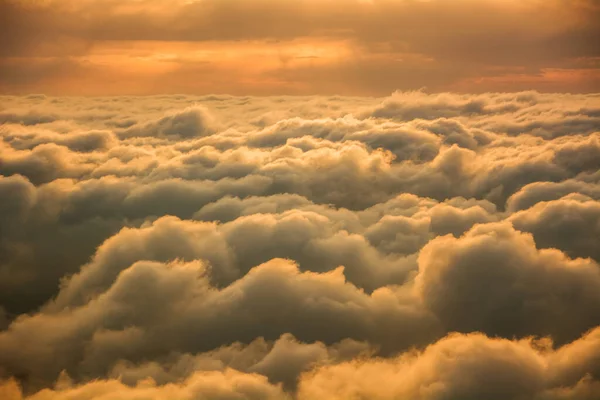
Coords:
299,200
301,47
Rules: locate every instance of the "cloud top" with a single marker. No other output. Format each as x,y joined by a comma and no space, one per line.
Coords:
419,246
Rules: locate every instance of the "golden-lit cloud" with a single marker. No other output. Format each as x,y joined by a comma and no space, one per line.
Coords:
289,247
297,46
299,199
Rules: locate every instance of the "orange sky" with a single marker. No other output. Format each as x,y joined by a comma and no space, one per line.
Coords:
353,47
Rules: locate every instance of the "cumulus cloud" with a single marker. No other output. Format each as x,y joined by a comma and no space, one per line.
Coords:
21,138
571,223
188,123
456,367
464,367
230,385
427,246
282,361
494,280
153,309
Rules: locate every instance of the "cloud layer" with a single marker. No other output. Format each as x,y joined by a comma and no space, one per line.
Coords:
300,47
422,246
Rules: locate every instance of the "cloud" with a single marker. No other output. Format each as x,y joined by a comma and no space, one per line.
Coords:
413,105
571,223
230,385
455,367
463,367
538,192
188,123
300,247
494,280
297,47
282,361
79,141
153,309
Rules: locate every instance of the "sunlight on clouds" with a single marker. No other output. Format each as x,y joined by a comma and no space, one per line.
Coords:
304,47
299,199
282,247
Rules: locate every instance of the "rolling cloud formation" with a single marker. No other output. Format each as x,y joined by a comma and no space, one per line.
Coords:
418,246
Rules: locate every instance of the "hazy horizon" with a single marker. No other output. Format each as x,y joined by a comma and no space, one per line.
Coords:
267,47
398,199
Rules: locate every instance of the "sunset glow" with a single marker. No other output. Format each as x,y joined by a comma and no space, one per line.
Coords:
298,46
299,200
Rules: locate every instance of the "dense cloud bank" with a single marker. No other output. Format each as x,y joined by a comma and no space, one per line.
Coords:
417,246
